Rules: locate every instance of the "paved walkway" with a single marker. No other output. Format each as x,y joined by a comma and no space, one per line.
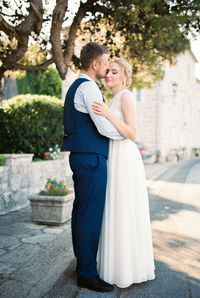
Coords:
31,255
37,260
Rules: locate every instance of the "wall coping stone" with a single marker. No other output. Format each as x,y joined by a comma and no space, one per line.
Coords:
18,155
63,155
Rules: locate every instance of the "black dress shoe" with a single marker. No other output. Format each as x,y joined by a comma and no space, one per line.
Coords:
95,284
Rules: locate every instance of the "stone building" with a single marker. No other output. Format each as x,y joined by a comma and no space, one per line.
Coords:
168,115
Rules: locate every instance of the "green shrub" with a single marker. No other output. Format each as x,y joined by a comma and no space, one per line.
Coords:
46,82
2,160
30,124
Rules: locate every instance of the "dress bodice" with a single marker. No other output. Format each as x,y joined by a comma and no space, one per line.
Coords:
115,103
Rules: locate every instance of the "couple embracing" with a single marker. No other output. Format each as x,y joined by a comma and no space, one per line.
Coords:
111,230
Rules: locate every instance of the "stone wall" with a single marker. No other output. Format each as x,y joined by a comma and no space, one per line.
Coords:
21,177
169,118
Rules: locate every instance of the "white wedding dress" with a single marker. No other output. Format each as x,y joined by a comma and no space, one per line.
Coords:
125,254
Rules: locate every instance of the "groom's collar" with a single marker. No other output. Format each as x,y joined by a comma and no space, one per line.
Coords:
84,76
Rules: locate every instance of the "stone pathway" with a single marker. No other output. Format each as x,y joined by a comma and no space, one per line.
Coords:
29,253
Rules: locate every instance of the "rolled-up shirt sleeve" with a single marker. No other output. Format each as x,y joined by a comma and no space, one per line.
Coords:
91,93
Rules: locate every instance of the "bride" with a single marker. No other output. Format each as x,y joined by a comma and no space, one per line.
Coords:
125,248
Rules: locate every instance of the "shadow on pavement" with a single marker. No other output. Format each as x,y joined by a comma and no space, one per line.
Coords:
183,168
168,283
161,208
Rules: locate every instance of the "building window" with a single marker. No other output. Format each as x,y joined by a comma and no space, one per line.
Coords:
174,90
139,95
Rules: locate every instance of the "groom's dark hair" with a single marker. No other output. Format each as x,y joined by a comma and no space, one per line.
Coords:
90,52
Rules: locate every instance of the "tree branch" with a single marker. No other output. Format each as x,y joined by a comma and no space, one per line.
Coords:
6,28
10,61
37,11
35,67
68,53
62,59
8,15
33,22
58,16
100,8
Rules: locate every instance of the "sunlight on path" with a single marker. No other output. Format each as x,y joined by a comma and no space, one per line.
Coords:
176,235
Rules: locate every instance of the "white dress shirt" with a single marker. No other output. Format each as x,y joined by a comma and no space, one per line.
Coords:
87,93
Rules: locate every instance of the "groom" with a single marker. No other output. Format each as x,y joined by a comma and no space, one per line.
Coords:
87,137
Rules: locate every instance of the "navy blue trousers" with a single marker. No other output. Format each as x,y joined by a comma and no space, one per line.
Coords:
90,177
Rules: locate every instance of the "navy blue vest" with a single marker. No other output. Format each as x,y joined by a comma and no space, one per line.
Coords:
81,135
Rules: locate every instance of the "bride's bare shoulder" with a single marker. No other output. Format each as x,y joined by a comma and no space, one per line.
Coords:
127,96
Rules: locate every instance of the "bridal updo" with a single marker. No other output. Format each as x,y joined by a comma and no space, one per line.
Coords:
127,70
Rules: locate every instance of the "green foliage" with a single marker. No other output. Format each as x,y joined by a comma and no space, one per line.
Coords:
36,159
34,55
2,160
54,188
53,153
196,152
145,33
46,82
30,124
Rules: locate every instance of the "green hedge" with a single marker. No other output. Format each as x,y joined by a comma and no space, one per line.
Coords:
46,82
30,124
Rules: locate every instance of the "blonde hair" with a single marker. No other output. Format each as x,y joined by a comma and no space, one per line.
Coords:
127,69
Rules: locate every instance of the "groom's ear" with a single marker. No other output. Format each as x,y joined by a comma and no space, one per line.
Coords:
95,64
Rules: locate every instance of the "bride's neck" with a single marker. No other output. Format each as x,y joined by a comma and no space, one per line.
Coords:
117,89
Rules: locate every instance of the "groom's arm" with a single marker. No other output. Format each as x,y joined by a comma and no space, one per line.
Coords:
86,94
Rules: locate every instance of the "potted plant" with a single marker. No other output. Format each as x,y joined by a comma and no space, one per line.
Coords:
53,204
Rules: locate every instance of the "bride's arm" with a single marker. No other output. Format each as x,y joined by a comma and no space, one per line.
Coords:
127,127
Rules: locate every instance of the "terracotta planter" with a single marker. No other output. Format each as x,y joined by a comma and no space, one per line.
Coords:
52,210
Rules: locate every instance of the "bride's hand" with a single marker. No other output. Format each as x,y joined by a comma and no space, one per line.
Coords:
100,108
